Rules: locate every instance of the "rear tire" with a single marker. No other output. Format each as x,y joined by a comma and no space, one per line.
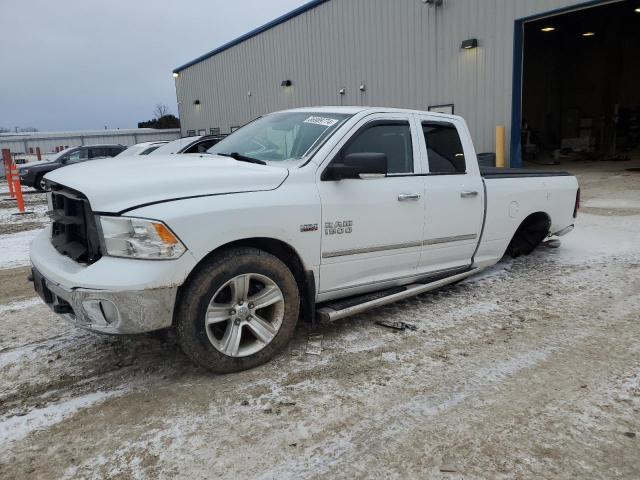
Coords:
529,235
237,311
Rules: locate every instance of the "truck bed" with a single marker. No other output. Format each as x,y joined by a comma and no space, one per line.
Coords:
495,172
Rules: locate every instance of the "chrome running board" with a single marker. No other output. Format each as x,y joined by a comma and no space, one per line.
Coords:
329,314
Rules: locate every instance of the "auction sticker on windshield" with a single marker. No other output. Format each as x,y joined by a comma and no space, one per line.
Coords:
327,122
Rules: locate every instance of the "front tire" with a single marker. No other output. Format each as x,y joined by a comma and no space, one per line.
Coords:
238,310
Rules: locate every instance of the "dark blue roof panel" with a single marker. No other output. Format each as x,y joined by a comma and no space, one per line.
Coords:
288,16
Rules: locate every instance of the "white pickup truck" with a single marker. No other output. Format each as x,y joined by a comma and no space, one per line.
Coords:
319,212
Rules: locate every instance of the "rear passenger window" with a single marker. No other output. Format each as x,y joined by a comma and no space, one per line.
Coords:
393,139
98,152
444,148
201,147
204,146
150,149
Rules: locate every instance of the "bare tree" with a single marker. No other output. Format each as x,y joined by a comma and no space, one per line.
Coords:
160,111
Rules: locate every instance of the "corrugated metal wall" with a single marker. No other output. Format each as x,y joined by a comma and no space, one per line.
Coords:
49,141
407,53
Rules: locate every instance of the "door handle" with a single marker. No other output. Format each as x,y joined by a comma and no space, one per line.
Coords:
403,197
468,194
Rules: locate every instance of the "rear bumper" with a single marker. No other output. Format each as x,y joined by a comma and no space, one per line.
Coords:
112,295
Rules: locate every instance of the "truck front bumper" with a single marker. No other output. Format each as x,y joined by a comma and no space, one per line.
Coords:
113,295
107,311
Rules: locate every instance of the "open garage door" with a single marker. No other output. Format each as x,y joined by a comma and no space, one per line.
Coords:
581,84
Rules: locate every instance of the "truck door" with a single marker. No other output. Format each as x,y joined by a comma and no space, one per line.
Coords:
372,228
454,195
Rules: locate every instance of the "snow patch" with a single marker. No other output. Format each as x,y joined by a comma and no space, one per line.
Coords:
39,214
10,357
20,305
597,236
340,448
499,270
15,427
4,188
14,248
614,203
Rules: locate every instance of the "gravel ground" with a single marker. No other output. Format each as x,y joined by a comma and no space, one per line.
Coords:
529,370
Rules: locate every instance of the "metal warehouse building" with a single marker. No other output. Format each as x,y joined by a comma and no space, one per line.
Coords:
50,142
563,72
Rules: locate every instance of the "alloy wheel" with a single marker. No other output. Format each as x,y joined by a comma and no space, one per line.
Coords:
244,315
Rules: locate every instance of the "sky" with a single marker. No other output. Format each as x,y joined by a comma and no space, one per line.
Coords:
87,64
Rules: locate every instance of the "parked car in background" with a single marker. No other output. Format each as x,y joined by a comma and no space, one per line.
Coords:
32,174
144,148
322,211
189,145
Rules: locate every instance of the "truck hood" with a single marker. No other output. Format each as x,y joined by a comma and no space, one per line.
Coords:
117,184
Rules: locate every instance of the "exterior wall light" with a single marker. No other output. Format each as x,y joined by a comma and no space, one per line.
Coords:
342,91
286,83
588,34
196,102
363,88
469,44
176,74
547,29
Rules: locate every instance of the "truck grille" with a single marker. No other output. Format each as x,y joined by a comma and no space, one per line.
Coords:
74,232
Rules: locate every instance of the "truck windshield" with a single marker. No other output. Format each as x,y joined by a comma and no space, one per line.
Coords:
280,137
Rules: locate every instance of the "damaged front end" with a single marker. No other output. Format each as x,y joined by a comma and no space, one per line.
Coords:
112,312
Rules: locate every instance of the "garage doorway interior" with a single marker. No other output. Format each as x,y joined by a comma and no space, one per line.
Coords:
580,84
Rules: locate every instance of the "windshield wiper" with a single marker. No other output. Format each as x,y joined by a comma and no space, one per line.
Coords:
242,158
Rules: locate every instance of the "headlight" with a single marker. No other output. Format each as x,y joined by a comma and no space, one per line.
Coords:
23,171
139,238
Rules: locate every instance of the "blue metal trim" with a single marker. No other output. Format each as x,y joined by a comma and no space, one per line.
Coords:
284,18
515,150
515,156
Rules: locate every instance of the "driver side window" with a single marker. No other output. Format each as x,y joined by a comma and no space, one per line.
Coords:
74,157
393,138
71,157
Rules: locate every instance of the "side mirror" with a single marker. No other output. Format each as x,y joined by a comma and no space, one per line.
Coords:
358,165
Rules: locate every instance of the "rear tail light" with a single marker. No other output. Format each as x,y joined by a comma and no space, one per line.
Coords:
577,207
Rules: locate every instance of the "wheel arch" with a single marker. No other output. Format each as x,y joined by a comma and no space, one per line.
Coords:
533,228
283,251
37,178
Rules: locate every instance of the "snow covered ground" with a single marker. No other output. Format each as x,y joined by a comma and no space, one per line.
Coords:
14,248
17,231
530,369
4,188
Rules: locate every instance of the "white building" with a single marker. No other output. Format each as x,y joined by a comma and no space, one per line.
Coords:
50,142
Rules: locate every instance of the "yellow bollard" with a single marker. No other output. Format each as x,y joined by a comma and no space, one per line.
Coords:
500,145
